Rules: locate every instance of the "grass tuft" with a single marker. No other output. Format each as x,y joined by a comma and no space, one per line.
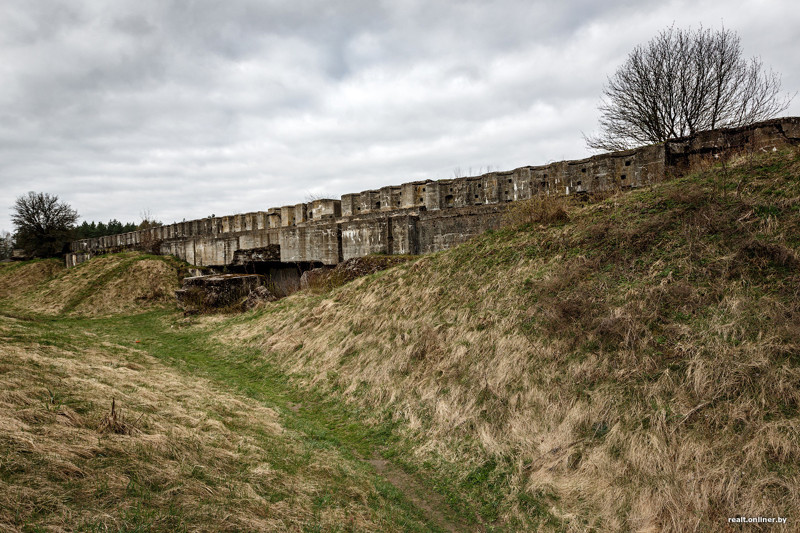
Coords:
114,422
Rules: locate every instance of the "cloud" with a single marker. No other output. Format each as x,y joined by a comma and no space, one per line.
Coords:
189,109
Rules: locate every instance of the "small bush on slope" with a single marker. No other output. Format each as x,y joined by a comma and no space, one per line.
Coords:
634,368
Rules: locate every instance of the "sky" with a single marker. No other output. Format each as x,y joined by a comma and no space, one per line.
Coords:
183,109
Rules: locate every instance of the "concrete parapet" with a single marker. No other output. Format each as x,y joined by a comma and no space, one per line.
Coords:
300,213
287,216
324,208
76,258
348,204
389,198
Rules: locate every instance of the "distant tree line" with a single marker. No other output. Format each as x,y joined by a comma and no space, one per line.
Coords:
88,230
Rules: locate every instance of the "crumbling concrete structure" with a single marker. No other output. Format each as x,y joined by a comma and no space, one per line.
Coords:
422,216
206,292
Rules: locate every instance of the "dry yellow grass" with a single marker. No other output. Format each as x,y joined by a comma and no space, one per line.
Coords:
537,210
16,278
188,457
634,369
147,282
52,296
113,284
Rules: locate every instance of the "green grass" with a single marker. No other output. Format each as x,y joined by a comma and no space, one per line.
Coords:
166,336
320,424
325,421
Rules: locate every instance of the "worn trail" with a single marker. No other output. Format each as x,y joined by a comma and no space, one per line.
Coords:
432,504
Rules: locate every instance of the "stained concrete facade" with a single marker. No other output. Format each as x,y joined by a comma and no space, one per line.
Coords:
424,216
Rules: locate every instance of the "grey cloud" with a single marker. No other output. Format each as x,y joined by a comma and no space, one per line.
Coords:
189,108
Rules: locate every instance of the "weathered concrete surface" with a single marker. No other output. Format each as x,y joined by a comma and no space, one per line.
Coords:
441,230
364,236
423,216
266,254
348,270
221,290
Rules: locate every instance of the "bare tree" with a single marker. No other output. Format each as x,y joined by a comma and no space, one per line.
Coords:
44,225
313,196
148,220
681,82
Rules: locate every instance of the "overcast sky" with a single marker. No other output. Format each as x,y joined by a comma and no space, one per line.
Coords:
191,108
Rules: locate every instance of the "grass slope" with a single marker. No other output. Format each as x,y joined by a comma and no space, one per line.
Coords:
187,455
633,368
112,284
630,366
226,452
17,278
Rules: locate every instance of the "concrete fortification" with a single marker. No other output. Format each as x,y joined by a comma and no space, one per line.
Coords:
421,216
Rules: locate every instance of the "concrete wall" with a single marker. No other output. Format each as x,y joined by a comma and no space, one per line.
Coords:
443,230
426,216
365,236
403,236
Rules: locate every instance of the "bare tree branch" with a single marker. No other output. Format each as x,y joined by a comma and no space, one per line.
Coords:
682,82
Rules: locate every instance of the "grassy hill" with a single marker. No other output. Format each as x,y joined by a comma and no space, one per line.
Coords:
633,365
182,449
113,284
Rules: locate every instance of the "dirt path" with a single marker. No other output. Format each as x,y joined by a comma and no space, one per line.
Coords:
431,503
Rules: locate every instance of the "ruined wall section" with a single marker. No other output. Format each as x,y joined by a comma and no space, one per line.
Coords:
683,154
426,216
364,236
210,241
443,230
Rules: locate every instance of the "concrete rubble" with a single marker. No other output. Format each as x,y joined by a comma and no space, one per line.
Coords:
200,293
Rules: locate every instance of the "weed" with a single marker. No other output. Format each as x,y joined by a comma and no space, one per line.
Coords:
114,422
